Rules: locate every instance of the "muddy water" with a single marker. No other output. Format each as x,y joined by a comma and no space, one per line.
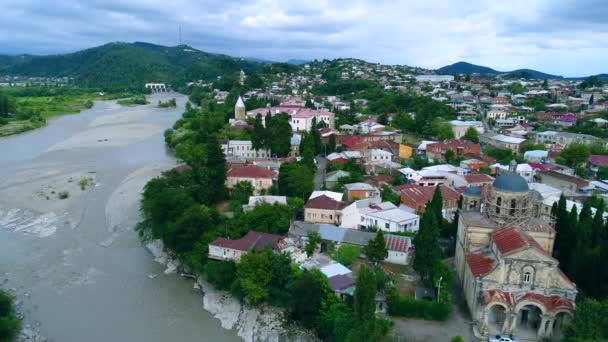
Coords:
89,279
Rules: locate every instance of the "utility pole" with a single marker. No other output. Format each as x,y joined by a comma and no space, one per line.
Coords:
439,288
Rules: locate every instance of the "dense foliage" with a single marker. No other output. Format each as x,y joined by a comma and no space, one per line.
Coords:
9,324
127,66
581,246
590,322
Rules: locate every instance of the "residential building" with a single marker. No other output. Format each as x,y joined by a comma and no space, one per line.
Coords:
260,178
473,165
243,149
373,213
354,191
460,127
479,179
569,184
434,78
399,247
563,138
300,117
405,151
323,209
227,249
596,161
416,197
331,178
502,141
436,151
256,200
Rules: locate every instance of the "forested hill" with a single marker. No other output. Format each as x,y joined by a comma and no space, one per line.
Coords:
468,68
128,65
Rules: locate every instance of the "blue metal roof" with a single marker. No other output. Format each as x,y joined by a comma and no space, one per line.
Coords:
511,182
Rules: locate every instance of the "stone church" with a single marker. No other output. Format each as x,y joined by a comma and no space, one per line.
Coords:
511,282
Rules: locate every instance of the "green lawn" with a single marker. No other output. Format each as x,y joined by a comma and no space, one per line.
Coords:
50,107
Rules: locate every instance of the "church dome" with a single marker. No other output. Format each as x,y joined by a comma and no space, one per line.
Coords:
510,182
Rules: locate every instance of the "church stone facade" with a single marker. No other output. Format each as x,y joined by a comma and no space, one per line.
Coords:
512,284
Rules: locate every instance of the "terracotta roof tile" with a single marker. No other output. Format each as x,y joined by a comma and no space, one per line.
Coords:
251,171
252,241
511,239
478,178
324,202
479,264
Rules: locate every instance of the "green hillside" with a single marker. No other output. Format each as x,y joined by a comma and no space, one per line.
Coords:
128,65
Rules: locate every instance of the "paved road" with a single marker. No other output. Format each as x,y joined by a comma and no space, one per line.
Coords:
320,174
458,324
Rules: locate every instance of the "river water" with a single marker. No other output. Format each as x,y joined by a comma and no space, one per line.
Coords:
77,267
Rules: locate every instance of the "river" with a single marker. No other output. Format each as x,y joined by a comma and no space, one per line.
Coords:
76,266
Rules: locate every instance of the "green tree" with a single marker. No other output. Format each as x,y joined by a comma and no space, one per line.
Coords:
254,276
220,274
602,172
471,135
376,250
9,324
295,180
575,153
316,136
265,218
309,290
365,295
241,192
428,250
442,129
258,136
313,239
331,144
280,135
590,322
347,254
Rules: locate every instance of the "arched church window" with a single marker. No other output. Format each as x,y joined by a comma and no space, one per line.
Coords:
498,204
513,205
527,277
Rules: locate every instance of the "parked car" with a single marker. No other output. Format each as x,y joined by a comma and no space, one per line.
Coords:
502,338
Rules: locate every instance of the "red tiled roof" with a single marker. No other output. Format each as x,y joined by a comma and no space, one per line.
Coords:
498,296
478,178
341,282
352,141
538,166
252,241
324,202
598,159
552,303
397,243
511,239
251,171
419,193
479,264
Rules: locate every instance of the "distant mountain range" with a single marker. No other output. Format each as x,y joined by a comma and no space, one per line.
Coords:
468,68
128,65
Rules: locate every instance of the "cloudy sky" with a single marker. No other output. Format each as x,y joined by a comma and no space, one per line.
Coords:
565,37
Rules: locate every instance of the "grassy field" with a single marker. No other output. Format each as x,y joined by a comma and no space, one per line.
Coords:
19,126
47,107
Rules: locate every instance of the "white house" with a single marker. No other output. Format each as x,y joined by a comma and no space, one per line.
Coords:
385,216
243,149
376,155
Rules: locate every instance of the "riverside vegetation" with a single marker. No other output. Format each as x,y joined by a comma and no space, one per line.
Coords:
9,324
179,208
26,108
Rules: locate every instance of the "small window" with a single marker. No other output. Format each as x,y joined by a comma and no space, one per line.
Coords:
527,277
387,225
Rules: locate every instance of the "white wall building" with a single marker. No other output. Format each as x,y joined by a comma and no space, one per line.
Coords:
385,216
243,149
434,78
